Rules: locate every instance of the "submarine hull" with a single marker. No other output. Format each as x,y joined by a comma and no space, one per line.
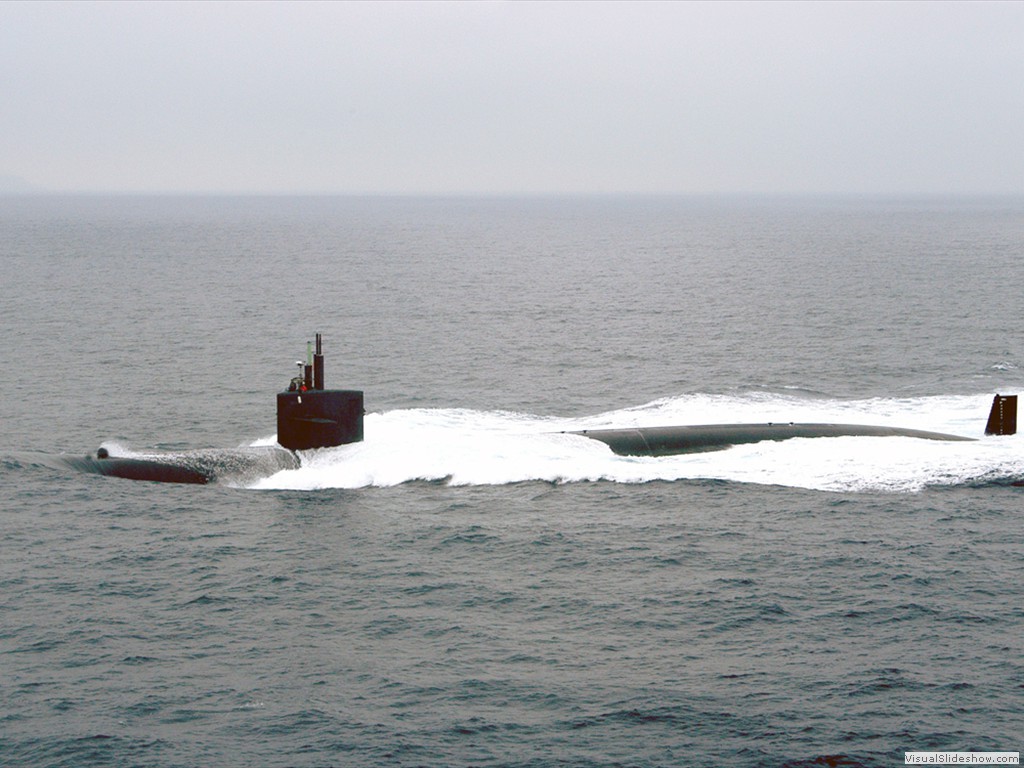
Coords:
673,441
194,467
142,469
310,416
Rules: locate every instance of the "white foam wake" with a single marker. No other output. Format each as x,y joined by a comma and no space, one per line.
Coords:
464,447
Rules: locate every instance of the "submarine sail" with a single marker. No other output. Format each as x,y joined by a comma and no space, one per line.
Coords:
309,416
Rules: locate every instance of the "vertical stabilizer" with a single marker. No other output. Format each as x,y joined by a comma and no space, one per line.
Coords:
1002,419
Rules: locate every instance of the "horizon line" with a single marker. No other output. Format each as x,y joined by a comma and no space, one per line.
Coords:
43,192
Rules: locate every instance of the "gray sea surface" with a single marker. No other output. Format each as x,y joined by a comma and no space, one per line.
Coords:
469,587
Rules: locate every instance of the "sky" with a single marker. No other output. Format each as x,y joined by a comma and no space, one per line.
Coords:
513,97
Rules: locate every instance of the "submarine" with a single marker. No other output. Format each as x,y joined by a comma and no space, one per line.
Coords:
309,416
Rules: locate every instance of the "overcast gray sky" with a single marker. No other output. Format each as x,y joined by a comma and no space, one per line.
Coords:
514,97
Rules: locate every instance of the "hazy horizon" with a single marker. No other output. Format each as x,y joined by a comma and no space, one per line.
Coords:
502,98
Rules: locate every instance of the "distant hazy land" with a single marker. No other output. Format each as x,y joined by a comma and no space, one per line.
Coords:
16,185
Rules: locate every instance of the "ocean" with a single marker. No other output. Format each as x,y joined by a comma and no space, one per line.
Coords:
469,586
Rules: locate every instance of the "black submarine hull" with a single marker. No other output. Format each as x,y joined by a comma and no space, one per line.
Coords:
310,416
674,441
194,467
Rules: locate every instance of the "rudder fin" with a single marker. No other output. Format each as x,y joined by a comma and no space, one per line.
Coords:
1002,419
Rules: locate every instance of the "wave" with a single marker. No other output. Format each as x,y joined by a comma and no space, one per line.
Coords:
468,447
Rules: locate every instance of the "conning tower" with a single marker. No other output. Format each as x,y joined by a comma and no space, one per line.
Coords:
309,416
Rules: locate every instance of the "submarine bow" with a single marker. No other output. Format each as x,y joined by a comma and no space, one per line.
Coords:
196,467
